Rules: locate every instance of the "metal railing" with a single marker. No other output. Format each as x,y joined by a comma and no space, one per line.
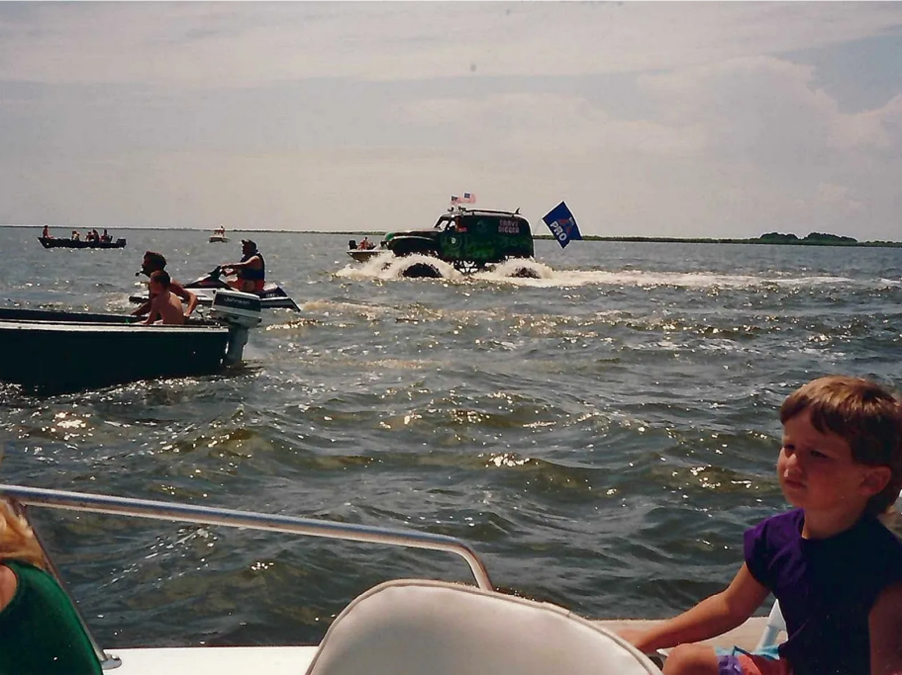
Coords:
205,515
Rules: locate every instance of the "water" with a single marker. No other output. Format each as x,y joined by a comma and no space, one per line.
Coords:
601,435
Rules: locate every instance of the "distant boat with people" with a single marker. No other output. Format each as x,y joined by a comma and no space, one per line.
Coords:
219,235
363,250
54,242
93,239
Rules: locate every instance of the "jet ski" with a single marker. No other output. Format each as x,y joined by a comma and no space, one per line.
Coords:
271,297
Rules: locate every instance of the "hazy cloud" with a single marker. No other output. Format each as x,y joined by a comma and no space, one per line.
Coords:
689,119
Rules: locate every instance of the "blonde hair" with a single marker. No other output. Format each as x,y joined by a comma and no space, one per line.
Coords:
17,540
866,415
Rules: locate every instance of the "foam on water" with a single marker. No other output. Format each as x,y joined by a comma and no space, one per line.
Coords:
531,273
386,267
516,270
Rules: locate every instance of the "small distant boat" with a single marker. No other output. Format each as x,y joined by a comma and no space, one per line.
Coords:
363,251
219,236
362,255
53,242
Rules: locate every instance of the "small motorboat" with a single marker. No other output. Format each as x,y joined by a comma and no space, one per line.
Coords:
364,250
219,235
52,352
54,242
271,297
361,255
401,627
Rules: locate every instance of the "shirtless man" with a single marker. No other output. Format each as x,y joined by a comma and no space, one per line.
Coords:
164,305
152,262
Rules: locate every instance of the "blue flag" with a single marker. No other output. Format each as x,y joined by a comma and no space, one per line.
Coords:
562,224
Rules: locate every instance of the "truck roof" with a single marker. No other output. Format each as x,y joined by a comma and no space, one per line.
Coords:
460,210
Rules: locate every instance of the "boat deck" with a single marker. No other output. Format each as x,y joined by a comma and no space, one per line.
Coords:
745,636
273,660
279,659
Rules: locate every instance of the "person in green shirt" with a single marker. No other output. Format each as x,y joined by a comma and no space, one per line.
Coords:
40,633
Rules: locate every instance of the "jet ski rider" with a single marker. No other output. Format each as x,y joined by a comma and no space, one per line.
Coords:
251,270
152,262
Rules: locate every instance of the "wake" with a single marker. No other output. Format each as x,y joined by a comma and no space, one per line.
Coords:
527,272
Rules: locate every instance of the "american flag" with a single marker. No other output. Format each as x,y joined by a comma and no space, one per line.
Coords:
468,198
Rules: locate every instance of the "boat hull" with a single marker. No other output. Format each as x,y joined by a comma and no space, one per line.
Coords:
223,660
275,660
52,242
269,299
57,352
363,255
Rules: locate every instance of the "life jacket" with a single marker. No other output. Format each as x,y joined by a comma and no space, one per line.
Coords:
256,276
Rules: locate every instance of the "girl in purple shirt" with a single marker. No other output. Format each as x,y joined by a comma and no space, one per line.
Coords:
836,570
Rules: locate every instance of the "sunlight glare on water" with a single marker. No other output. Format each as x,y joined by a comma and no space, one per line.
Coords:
601,432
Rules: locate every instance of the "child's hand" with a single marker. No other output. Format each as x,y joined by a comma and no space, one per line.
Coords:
632,635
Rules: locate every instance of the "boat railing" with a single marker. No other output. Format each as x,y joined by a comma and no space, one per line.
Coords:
21,496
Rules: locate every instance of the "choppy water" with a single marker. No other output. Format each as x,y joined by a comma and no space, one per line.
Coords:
601,435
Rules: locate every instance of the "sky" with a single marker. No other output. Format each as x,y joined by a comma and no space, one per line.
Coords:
659,119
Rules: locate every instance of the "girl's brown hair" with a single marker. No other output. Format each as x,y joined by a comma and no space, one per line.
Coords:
17,541
866,415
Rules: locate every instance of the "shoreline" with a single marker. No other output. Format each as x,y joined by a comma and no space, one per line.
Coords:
756,241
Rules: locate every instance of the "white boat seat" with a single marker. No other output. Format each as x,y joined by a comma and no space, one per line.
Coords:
414,627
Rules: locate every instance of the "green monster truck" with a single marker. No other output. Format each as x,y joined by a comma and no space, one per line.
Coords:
469,239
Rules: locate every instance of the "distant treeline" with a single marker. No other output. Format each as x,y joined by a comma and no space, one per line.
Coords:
812,239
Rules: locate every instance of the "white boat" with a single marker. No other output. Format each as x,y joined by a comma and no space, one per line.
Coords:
218,235
403,627
364,250
365,255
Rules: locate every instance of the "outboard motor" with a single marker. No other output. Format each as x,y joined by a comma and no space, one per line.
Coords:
241,312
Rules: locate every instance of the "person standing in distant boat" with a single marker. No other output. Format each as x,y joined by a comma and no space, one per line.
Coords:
154,262
165,307
833,566
251,270
46,233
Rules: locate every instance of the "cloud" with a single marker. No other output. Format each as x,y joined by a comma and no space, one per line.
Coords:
247,44
771,112
649,118
880,129
746,143
559,124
